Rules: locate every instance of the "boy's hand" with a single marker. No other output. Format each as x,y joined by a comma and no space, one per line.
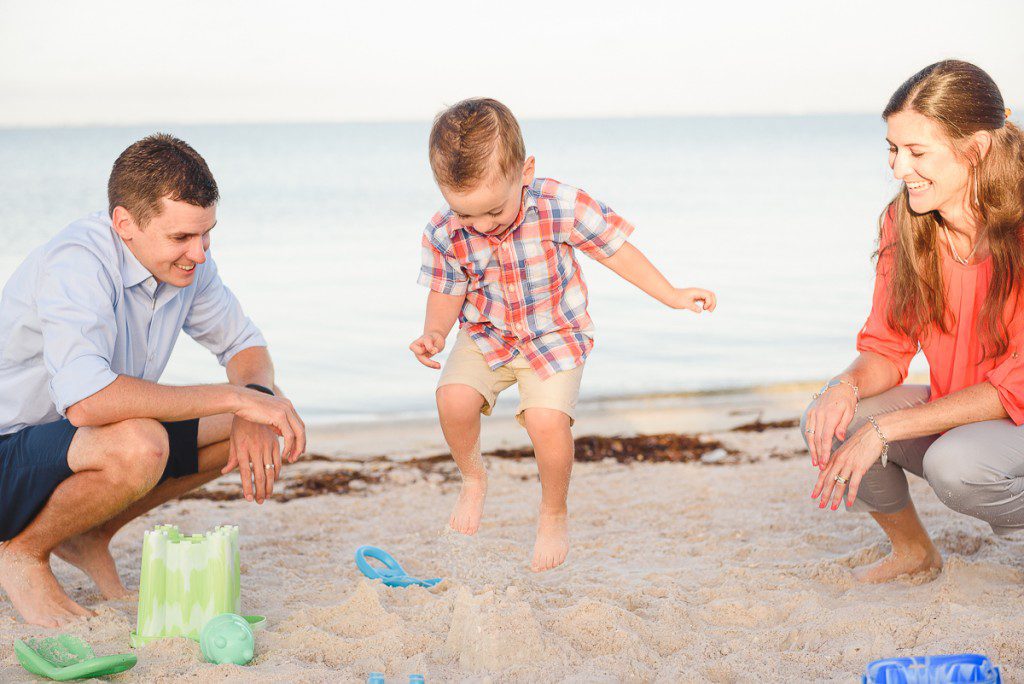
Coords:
426,346
693,298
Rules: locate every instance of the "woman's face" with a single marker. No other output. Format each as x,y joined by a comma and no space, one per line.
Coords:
920,155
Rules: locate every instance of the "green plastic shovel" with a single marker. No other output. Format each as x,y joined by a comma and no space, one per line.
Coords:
67,657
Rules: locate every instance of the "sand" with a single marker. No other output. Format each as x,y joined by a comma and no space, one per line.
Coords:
677,572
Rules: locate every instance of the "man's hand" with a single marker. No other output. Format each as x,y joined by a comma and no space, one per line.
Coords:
693,298
254,450
427,345
278,414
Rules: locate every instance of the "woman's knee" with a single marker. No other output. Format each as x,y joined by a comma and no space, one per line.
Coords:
949,470
882,490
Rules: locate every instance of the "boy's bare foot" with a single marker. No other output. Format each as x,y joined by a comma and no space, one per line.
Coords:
552,544
470,506
909,561
34,591
90,553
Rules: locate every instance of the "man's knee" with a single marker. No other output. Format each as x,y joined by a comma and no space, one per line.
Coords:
459,401
138,452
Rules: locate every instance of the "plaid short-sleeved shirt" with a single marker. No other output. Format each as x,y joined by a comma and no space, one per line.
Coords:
524,289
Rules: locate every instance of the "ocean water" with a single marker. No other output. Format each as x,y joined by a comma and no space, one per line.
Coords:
319,231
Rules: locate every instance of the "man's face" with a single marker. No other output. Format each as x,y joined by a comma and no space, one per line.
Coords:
491,206
172,243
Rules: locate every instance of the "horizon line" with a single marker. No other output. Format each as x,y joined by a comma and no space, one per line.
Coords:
21,126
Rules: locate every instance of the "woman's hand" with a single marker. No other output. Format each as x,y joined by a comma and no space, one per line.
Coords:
849,464
829,417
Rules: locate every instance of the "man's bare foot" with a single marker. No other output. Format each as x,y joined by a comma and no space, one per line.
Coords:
552,545
910,561
90,553
470,506
34,591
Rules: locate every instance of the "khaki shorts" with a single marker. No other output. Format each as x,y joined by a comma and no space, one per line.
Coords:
466,366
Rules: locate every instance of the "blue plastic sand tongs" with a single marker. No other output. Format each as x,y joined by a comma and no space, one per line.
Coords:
939,669
392,573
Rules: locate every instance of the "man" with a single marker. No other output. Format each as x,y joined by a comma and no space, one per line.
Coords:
88,439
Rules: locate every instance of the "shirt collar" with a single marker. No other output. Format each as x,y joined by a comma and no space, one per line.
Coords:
133,273
132,270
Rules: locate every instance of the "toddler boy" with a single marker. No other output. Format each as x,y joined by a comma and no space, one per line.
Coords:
500,259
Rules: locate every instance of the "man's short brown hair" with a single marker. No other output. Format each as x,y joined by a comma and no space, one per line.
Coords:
472,140
158,166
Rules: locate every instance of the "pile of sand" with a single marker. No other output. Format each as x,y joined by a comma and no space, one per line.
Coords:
678,571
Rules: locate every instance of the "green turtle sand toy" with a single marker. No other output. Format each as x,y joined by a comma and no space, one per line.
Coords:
67,657
187,580
227,638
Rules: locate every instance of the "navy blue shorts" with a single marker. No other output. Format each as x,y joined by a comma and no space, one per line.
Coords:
34,461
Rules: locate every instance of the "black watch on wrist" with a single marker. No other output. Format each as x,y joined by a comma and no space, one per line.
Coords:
260,388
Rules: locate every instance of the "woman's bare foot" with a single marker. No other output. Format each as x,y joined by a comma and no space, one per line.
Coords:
906,561
552,545
90,553
34,591
469,509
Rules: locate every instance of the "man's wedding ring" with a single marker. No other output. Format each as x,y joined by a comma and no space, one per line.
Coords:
841,480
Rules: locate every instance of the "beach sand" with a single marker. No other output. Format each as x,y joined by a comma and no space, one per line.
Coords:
719,571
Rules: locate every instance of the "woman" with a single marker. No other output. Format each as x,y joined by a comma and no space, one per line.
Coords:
949,280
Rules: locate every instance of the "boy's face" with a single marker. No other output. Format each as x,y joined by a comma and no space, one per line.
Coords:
491,206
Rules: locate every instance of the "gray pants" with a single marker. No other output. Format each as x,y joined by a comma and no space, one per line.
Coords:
976,469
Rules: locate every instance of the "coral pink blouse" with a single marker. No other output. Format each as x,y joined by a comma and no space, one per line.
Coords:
955,359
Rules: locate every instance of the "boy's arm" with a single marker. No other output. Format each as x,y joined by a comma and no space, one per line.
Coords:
442,313
631,265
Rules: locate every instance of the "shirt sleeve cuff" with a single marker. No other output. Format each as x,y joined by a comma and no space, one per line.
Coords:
449,287
81,378
251,338
603,250
1009,387
898,361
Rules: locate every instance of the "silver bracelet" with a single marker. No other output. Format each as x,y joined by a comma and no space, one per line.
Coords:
841,381
881,436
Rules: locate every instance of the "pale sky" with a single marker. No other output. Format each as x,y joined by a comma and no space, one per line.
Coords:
198,61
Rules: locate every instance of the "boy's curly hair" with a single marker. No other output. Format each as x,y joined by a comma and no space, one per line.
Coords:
472,140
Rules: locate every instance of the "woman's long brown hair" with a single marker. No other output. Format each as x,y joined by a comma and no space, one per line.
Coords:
963,100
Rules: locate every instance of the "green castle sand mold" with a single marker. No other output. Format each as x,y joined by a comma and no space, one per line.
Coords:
186,581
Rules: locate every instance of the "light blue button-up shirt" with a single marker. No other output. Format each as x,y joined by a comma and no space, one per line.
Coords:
81,310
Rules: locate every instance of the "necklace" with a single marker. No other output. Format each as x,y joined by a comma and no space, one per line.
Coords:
952,249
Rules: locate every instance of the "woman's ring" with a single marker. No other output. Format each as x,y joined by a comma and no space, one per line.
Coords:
841,480
269,466
809,431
